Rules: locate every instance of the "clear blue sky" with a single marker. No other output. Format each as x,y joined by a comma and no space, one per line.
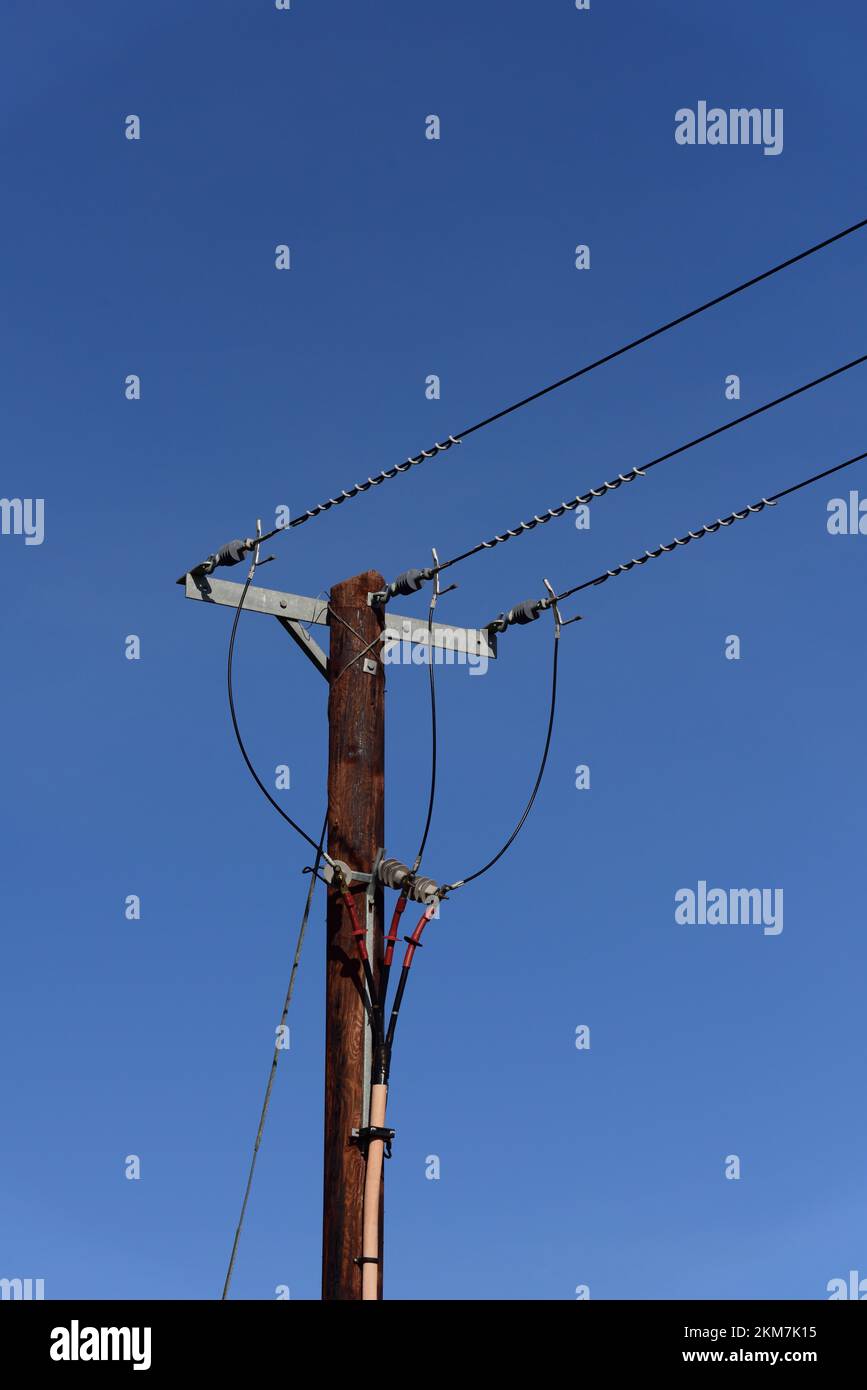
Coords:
410,257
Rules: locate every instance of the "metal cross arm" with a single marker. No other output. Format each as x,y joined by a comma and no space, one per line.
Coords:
294,609
289,609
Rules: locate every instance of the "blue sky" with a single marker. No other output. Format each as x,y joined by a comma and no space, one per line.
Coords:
559,1167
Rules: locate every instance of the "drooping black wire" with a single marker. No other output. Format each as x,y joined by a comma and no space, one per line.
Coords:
240,741
385,474
433,736
528,808
273,1072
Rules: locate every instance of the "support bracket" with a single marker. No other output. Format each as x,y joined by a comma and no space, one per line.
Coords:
474,641
307,644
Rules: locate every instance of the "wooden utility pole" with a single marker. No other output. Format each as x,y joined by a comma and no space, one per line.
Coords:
356,753
356,815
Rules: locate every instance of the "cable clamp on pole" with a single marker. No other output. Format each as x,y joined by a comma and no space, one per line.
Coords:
363,1138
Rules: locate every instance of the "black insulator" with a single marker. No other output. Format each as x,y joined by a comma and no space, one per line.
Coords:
409,582
231,554
526,612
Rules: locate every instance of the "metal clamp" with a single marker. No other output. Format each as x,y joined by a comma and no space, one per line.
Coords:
363,1137
339,875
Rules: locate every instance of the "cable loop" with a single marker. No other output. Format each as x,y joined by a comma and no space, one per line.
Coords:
551,602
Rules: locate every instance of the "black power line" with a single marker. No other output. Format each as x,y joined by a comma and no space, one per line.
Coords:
414,460
638,472
529,610
714,525
433,737
238,737
539,775
273,1071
